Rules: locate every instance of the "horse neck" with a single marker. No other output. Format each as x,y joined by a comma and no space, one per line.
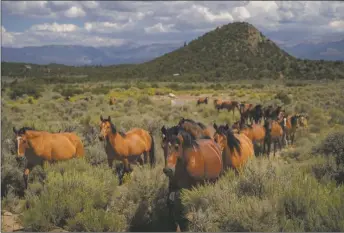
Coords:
35,142
115,139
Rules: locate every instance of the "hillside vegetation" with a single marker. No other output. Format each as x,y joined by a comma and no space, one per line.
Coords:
299,190
233,51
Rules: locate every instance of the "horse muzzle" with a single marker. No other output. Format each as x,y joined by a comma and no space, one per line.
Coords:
169,172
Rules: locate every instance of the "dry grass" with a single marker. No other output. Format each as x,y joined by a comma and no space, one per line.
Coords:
290,193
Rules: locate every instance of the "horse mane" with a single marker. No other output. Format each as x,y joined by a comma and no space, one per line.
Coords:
232,141
114,130
188,139
201,125
246,126
23,129
173,131
187,120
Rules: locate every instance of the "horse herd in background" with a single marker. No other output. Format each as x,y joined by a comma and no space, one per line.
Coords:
193,152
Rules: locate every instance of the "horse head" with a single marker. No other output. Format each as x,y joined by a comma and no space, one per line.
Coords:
106,127
21,142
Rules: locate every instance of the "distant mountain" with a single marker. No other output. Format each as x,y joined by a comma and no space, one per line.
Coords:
233,51
325,51
82,55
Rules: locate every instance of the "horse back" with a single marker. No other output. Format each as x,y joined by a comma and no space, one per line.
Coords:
258,132
76,141
204,160
238,159
138,139
276,129
60,147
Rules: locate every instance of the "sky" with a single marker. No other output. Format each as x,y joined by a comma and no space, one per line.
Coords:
118,23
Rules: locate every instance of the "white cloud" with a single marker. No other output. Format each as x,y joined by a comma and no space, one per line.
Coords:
178,20
107,27
7,37
54,27
241,13
75,12
337,25
159,27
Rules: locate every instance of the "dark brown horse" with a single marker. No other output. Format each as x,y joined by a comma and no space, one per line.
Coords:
230,105
218,104
291,123
257,113
236,149
189,162
41,146
126,147
275,114
267,112
274,133
202,100
245,112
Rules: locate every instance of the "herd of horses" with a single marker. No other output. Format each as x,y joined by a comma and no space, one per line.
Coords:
193,152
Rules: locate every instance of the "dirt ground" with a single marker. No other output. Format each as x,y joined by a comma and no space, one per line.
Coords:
10,222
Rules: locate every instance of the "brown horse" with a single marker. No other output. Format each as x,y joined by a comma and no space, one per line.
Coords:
112,100
202,100
197,129
291,123
39,146
190,162
256,133
218,104
303,120
126,147
230,105
236,148
273,133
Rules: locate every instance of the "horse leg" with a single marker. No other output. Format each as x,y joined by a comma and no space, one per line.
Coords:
26,173
280,143
110,162
144,160
275,144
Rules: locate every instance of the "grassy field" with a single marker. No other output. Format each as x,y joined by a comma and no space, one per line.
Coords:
300,190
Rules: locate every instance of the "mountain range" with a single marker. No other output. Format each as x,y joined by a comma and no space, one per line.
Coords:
233,51
134,54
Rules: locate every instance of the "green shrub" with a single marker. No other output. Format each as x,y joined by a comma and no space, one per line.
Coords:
333,145
283,97
73,192
144,99
71,91
265,198
29,89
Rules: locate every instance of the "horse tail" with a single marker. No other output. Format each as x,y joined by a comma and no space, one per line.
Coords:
152,151
80,152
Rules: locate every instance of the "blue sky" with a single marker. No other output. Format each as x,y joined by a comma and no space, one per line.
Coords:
115,23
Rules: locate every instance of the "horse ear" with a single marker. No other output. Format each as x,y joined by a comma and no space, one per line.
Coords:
101,118
14,130
227,126
215,126
163,130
